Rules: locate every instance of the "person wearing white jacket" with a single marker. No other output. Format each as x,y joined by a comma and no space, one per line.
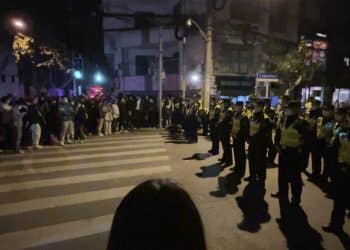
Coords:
108,118
116,115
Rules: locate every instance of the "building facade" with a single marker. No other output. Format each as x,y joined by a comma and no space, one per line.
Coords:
241,31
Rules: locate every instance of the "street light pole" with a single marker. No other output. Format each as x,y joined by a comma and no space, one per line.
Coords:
208,59
160,97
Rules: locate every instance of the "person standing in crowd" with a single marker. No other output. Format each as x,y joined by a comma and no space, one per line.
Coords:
108,118
270,113
259,137
101,117
123,114
292,141
193,124
34,119
116,115
225,128
5,122
214,130
79,122
204,116
240,133
324,129
130,106
341,180
18,112
166,113
152,113
67,117
53,126
311,117
139,112
44,109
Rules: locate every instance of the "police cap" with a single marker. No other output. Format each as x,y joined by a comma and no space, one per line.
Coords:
239,104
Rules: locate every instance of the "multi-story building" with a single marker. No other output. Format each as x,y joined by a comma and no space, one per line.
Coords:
9,81
242,31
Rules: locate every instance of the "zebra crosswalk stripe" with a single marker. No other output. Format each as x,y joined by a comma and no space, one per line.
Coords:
55,233
64,200
94,165
113,165
82,178
80,157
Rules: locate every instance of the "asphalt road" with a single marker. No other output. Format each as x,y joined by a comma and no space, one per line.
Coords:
64,198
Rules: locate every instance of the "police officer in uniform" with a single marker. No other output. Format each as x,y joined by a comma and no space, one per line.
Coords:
324,129
214,130
341,179
269,112
240,133
291,140
311,118
225,128
259,136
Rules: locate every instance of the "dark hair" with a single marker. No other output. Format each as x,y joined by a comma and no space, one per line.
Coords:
157,215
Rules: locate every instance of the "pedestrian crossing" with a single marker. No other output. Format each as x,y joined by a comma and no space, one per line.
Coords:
59,195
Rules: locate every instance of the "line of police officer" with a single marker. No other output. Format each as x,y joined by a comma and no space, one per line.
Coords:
323,133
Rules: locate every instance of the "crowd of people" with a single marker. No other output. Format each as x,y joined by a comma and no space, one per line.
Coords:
294,133
33,122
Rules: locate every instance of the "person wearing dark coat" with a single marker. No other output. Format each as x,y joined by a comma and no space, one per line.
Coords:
259,138
225,129
240,133
214,119
292,141
193,124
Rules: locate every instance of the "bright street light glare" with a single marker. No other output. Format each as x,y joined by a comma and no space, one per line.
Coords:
19,24
321,35
195,78
77,74
99,77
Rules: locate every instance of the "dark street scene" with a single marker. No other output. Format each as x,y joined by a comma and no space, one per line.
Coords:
174,124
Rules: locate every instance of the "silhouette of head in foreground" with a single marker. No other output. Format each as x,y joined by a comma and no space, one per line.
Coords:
157,215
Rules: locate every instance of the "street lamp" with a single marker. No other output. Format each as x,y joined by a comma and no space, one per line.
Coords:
99,78
195,78
208,37
19,24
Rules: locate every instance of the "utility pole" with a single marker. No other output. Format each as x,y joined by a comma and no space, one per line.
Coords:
182,43
182,67
208,58
160,94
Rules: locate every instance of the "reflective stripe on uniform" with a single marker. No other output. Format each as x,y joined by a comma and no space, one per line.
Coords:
236,127
290,137
254,128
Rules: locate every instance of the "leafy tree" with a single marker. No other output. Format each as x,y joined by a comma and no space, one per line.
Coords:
40,55
295,67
